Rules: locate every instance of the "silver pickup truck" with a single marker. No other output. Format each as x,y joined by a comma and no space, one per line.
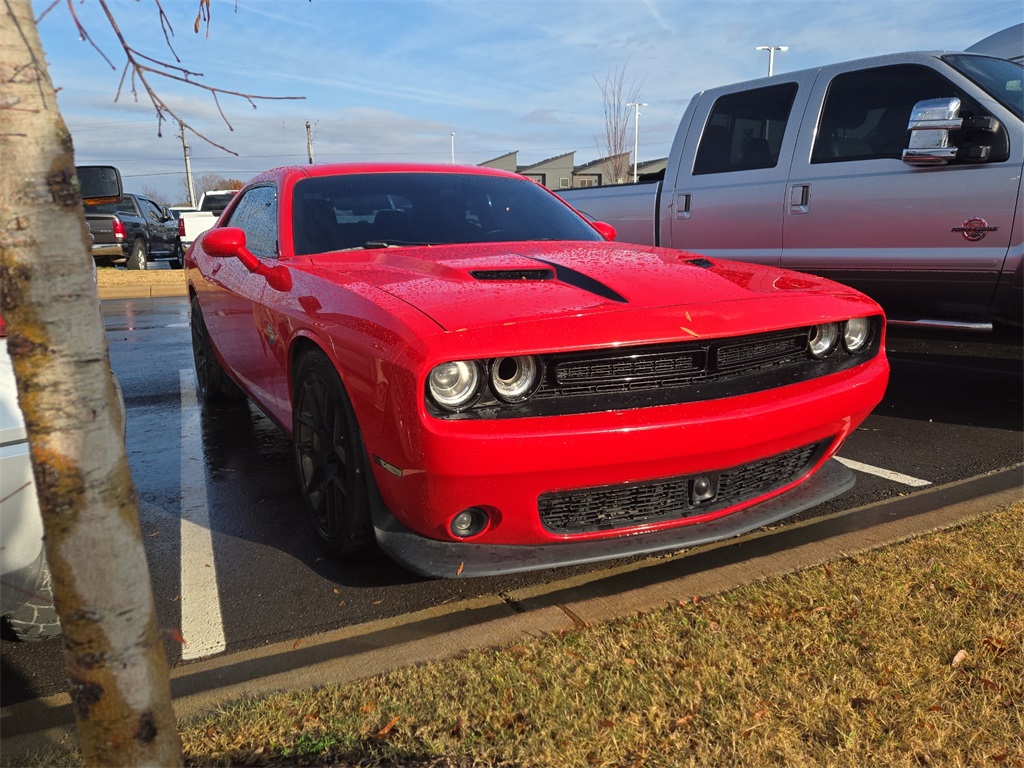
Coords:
897,175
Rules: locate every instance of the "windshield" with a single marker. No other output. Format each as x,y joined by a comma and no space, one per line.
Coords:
1000,78
381,210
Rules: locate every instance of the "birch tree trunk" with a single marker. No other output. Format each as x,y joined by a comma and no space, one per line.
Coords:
117,672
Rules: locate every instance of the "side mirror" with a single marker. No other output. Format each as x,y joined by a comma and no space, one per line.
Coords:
99,183
607,231
931,124
223,242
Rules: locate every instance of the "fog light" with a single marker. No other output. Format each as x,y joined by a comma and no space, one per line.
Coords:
703,489
469,522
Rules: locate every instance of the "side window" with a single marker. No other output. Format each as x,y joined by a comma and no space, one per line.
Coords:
256,215
865,114
152,211
744,130
127,205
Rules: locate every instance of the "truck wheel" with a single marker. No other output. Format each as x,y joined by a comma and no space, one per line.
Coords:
36,619
212,382
177,256
331,458
138,259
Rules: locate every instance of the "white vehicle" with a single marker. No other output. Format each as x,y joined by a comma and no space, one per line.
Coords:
899,176
26,602
192,223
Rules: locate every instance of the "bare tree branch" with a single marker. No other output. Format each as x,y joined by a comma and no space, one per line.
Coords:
615,97
139,67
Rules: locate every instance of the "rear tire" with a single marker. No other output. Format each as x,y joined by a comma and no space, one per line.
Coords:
139,258
177,256
331,458
212,382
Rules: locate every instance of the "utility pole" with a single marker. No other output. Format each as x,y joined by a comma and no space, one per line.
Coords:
309,142
189,184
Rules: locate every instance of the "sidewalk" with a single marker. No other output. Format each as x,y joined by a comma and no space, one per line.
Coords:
450,630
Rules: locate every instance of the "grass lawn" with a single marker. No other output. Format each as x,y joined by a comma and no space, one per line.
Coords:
912,655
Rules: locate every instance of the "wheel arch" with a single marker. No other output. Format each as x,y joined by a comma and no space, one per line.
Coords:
367,413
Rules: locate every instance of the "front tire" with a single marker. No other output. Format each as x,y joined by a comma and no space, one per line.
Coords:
212,382
331,458
139,258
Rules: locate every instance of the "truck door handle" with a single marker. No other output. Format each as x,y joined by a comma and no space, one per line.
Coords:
799,199
682,206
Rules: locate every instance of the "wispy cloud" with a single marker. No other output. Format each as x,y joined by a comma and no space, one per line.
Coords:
394,78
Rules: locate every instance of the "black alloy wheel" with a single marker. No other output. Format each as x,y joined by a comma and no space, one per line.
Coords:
330,457
212,383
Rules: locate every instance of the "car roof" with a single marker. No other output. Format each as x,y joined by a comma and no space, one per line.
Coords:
337,169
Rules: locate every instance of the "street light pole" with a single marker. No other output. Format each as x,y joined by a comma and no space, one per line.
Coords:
771,55
636,132
453,147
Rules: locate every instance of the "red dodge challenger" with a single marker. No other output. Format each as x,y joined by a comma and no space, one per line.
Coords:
479,381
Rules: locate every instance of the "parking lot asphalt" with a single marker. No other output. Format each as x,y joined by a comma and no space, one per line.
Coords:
443,631
452,629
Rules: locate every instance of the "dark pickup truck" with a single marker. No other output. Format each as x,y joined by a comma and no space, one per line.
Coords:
132,231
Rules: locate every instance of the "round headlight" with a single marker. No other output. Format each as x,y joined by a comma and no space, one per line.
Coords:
453,385
514,378
823,339
856,334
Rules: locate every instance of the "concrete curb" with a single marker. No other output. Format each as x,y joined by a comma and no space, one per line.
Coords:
156,290
450,630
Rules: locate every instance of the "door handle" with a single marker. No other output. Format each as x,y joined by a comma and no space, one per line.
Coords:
799,199
682,206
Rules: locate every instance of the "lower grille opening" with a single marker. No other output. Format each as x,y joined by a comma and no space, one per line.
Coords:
622,506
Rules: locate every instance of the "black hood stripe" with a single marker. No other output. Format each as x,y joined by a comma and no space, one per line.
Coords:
583,282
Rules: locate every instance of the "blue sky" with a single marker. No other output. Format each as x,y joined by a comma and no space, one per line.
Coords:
393,79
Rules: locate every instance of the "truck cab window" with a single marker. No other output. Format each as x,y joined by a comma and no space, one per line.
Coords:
256,215
865,113
745,130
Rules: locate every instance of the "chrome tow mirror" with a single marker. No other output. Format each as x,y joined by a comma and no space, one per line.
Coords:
930,124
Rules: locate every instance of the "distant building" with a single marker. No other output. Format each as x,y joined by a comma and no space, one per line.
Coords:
506,162
553,173
560,173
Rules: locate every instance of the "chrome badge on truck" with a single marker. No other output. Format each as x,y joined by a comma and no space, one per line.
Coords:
974,229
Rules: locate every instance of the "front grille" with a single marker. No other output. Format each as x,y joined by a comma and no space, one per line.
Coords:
670,366
612,507
664,374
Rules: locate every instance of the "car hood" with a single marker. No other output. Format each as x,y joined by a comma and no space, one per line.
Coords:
501,283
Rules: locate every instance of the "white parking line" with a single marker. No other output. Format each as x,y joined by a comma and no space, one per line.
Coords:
202,625
887,474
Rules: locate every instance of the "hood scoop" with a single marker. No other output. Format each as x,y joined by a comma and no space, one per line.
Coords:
491,275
